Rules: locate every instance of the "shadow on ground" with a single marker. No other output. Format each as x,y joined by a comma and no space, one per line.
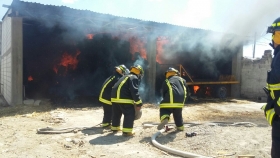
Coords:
108,139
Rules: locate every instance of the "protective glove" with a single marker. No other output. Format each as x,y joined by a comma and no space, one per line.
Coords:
138,112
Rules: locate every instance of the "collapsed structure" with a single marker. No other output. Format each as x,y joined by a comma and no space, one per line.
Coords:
58,52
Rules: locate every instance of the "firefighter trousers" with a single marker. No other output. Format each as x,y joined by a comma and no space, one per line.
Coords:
177,115
129,114
275,152
107,117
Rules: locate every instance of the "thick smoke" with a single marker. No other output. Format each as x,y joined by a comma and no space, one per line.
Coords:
201,51
238,20
232,22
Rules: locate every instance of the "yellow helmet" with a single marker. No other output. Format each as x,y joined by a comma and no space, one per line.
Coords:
121,69
138,70
171,72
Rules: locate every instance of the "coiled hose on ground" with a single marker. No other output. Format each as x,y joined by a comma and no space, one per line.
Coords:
188,154
170,150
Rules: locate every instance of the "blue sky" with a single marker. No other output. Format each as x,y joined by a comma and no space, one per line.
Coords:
243,17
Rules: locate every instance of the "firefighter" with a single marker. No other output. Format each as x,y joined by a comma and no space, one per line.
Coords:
127,101
272,108
174,92
105,94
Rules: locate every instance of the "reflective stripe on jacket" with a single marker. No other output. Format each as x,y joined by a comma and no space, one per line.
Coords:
269,114
272,108
174,92
105,94
126,90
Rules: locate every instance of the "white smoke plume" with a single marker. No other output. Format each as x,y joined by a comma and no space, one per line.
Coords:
228,16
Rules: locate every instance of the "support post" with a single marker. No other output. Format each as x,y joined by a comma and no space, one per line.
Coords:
151,74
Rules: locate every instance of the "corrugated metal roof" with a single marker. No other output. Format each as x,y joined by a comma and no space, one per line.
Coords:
33,10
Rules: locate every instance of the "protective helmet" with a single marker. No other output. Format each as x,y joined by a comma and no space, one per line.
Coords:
274,27
121,69
275,30
138,70
171,72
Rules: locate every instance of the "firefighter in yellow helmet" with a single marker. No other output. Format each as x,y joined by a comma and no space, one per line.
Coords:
127,101
105,93
174,93
272,108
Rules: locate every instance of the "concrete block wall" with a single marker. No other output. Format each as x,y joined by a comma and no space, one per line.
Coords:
253,76
0,52
6,61
6,75
0,37
11,60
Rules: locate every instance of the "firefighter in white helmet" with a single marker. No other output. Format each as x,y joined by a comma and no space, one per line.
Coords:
272,108
127,101
105,93
174,93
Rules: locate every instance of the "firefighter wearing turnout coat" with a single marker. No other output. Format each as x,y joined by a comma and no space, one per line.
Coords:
174,92
127,101
105,93
272,108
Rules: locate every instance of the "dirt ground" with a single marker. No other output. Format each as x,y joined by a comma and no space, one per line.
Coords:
224,129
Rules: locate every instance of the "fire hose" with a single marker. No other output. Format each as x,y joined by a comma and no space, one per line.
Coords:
248,124
188,154
49,130
170,150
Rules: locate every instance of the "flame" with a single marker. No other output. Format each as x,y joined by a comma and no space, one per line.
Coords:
68,61
195,88
90,36
30,78
137,45
161,41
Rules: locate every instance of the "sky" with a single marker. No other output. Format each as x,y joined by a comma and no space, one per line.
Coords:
248,18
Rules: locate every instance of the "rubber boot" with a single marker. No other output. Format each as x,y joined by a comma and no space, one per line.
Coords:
115,129
126,134
162,124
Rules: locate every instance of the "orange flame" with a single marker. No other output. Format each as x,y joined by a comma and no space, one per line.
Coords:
137,45
195,88
68,61
161,41
30,78
90,36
